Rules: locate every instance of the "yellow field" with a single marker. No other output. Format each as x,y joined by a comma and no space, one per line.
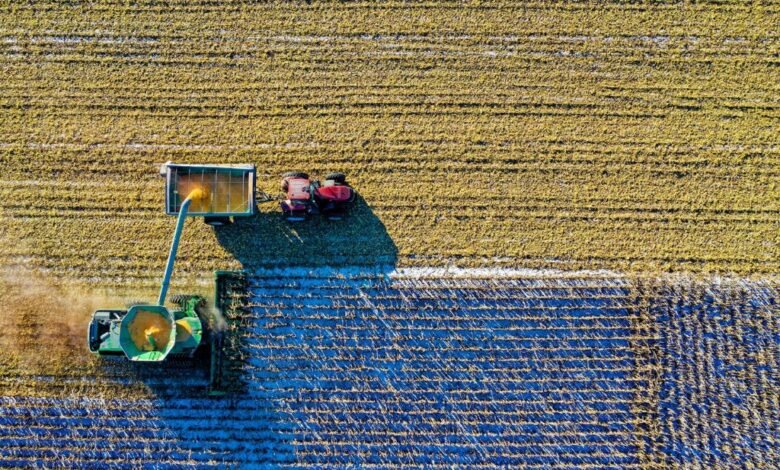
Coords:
622,136
639,138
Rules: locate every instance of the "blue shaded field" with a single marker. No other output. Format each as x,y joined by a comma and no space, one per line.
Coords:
720,392
507,372
358,369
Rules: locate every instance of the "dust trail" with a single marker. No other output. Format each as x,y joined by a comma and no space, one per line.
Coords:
43,326
218,322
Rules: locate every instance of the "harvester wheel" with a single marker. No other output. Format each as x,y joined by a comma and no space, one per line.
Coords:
340,178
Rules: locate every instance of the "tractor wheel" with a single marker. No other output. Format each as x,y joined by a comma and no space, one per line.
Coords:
295,174
217,221
340,178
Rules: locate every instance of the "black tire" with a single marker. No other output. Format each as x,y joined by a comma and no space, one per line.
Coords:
217,221
295,174
340,178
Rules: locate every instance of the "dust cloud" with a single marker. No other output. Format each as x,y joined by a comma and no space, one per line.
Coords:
44,324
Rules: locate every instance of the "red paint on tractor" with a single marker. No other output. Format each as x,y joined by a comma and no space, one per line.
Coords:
334,193
298,189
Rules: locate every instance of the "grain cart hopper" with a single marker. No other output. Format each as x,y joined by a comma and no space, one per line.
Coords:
152,332
229,190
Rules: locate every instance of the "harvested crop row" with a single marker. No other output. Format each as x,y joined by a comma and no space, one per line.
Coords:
548,135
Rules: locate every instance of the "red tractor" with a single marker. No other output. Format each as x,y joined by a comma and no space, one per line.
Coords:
332,198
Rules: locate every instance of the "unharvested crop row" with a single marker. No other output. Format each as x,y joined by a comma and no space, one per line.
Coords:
525,405
720,354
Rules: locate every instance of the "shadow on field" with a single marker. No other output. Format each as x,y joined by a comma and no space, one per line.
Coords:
268,240
252,425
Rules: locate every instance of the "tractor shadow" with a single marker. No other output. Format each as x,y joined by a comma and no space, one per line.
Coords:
267,240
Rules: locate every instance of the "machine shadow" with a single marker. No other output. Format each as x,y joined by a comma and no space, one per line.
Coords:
253,407
267,240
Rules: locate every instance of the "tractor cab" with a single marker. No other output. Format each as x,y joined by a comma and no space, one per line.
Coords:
331,198
296,187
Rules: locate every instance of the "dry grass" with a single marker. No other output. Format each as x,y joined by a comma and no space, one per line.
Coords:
545,135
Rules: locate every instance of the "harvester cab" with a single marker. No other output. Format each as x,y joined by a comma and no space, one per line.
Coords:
152,332
332,198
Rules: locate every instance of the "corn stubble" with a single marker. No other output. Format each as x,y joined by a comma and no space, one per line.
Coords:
549,135
634,138
581,369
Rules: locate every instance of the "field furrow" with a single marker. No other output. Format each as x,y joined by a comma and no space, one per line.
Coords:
422,366
621,136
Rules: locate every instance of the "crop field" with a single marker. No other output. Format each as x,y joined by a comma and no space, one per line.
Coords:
566,135
564,253
424,367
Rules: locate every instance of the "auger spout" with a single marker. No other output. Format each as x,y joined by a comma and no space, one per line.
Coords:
195,194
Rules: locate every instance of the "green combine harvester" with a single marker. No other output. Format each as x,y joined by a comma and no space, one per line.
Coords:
153,332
